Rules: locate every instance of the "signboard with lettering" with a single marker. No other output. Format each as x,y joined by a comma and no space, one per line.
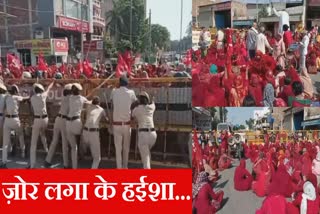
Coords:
222,6
36,46
73,24
60,45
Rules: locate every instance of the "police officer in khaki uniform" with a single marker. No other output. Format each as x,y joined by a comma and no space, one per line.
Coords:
147,135
60,127
3,93
40,122
12,122
122,98
90,135
74,124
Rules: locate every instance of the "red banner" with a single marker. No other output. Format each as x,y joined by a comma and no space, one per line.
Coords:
83,191
72,24
61,45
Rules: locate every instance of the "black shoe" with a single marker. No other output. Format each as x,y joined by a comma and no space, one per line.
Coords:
3,166
47,164
28,167
67,167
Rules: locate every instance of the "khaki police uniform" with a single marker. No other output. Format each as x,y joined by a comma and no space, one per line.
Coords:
12,123
122,99
40,123
74,124
147,135
90,135
60,127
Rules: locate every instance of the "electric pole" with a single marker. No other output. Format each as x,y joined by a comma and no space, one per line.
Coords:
181,23
150,38
131,5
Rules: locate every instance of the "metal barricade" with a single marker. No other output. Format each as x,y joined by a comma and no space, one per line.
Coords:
173,116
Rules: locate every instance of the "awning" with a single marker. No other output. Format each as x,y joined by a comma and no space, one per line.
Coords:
242,22
311,123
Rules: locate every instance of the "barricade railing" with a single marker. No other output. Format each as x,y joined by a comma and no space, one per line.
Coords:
173,116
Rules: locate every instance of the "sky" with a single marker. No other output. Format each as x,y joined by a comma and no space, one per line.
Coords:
168,13
238,116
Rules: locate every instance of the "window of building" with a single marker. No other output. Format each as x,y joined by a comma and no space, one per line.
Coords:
76,9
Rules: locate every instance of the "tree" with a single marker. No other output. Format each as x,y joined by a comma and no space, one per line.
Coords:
241,127
263,12
118,22
160,37
250,123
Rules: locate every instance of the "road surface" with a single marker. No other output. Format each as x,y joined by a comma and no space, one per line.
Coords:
237,202
316,82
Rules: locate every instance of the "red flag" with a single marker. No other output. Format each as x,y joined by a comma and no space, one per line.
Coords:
42,65
87,69
196,152
122,66
14,65
127,56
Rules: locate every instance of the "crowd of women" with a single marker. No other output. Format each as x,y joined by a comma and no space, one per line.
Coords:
255,68
286,174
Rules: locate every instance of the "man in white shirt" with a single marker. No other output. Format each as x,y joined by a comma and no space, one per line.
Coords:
283,19
40,123
252,40
60,127
147,135
122,98
74,124
220,38
90,135
304,50
3,93
262,42
12,122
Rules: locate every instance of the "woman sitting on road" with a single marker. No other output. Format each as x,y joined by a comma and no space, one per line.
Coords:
205,200
242,178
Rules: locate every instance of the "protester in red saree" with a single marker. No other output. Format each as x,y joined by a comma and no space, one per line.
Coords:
205,200
281,183
232,58
273,204
242,178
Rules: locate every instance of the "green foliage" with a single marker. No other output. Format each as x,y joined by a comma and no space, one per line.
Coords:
263,12
241,127
250,123
118,22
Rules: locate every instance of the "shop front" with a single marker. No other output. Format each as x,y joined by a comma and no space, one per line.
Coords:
93,50
272,22
71,28
55,51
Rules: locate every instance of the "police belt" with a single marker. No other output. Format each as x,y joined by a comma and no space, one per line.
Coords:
147,130
40,117
62,116
121,123
12,116
91,129
73,118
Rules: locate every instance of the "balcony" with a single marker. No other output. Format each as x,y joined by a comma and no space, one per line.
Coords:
97,3
98,21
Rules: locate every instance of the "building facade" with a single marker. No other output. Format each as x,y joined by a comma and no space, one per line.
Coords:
35,20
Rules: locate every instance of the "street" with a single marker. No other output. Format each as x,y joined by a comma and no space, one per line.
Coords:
234,201
16,162
316,82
